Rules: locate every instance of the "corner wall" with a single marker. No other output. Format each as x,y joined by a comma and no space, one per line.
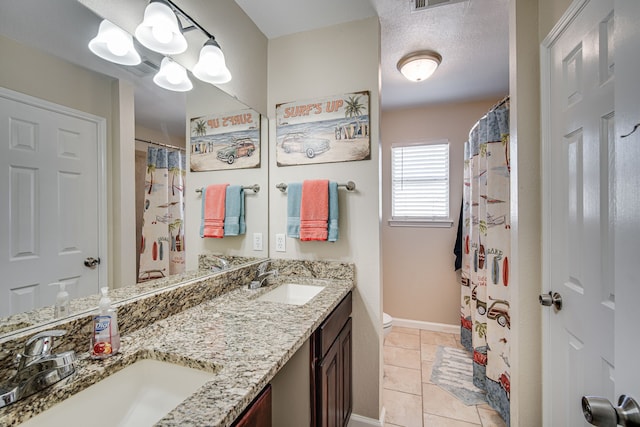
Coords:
334,60
419,280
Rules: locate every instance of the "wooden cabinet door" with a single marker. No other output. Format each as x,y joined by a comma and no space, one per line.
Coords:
346,401
334,407
258,414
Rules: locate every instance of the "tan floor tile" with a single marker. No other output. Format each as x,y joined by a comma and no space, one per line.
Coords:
402,409
428,351
403,330
402,379
397,339
436,401
439,338
489,417
431,420
391,425
427,367
402,357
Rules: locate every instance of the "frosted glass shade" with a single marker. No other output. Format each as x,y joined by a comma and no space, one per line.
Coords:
114,44
211,66
172,76
160,31
419,66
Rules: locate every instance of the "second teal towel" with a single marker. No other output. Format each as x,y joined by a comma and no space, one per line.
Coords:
234,222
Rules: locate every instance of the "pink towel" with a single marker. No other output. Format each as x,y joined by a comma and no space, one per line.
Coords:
213,211
314,210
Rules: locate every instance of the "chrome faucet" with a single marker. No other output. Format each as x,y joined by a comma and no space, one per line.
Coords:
37,368
263,275
222,264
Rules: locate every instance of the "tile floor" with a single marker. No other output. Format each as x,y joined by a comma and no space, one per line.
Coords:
409,397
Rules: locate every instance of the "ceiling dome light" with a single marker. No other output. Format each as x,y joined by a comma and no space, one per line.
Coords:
114,44
160,30
418,66
211,66
172,76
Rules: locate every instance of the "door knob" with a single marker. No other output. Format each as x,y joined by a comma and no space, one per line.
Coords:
92,262
600,412
552,298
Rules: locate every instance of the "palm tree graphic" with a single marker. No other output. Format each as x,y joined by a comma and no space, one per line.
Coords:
354,109
201,128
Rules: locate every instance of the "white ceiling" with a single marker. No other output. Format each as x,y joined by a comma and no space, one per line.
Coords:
471,36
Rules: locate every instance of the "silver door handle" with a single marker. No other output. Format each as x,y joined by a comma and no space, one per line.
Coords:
600,412
552,298
91,262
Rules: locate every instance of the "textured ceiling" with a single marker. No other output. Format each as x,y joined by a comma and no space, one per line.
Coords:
471,36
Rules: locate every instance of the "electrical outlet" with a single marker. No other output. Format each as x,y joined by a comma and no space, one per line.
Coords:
257,241
281,243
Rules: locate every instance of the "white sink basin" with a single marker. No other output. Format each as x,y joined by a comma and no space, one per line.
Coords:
138,395
292,293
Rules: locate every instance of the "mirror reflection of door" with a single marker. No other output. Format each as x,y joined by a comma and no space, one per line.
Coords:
50,196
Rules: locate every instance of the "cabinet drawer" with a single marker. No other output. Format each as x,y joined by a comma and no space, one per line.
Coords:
330,329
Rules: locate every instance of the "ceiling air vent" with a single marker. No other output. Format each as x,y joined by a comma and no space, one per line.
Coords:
417,5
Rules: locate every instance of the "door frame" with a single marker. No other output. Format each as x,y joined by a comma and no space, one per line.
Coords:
568,17
101,166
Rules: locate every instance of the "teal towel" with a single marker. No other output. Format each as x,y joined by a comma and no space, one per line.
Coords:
333,212
234,223
294,195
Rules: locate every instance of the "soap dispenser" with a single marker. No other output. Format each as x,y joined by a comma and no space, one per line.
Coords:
61,308
105,337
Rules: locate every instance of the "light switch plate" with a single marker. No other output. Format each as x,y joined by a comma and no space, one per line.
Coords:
281,243
257,241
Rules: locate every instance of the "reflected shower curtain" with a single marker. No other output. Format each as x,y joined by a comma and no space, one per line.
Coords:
162,242
485,315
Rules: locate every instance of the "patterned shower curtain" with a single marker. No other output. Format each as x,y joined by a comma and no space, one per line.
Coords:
162,242
485,315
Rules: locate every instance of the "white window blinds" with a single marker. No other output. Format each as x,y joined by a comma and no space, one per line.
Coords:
420,181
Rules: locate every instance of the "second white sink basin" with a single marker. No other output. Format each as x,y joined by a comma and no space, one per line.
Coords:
138,395
292,293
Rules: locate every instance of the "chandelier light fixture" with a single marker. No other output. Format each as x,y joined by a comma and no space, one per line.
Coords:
418,66
161,30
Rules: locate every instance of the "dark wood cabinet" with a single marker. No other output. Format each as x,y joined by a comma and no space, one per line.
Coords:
258,414
331,369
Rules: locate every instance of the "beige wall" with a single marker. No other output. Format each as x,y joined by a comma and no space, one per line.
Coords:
529,23
330,61
419,281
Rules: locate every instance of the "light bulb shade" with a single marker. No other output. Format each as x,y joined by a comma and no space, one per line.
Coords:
160,30
419,66
114,44
172,76
211,66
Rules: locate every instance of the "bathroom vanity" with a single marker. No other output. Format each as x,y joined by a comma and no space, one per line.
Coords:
241,340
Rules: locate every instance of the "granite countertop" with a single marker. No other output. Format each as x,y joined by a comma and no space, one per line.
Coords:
245,342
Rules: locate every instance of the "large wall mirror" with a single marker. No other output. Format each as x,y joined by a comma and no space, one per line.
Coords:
46,46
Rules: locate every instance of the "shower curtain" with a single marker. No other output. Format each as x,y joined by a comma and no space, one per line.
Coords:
485,315
162,242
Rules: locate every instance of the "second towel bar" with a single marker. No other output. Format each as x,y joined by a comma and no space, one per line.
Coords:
255,188
350,186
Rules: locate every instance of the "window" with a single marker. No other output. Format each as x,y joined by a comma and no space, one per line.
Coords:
420,184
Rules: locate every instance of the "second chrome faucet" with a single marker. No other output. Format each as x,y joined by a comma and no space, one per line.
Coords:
262,275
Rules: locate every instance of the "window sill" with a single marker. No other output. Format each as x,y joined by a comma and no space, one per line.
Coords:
431,223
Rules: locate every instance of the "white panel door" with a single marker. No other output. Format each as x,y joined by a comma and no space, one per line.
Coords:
578,240
49,209
591,98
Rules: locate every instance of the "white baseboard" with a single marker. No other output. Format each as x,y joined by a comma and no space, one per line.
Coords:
360,421
427,326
